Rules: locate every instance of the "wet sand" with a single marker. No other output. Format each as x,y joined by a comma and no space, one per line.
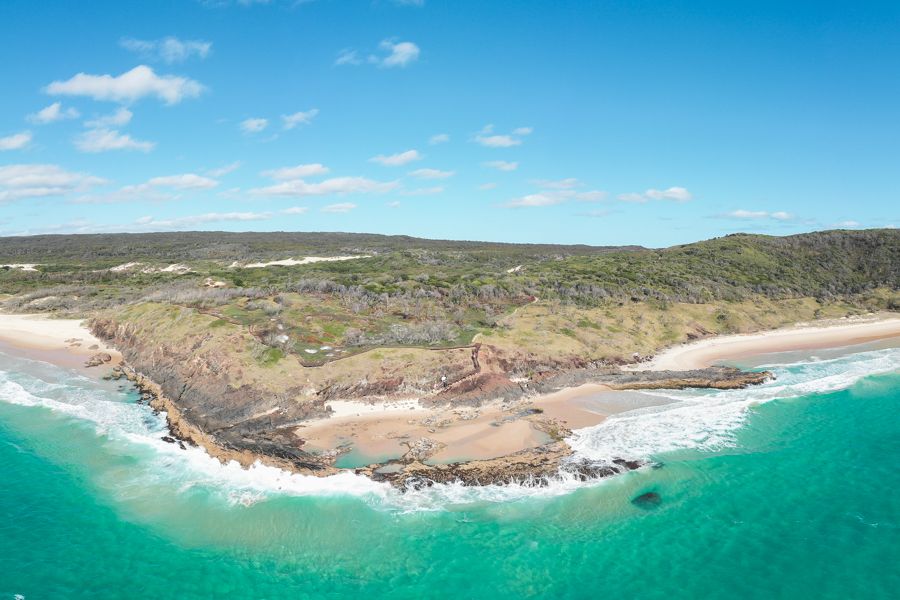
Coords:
387,431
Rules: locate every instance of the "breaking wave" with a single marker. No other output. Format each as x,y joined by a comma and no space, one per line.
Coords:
691,420
709,419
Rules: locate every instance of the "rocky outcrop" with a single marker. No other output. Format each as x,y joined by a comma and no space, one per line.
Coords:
275,448
203,404
647,501
101,358
536,466
215,396
723,378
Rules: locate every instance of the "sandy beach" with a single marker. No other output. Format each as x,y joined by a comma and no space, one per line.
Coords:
493,430
388,429
710,351
465,433
62,341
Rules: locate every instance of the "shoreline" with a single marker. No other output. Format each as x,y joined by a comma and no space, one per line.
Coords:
494,442
802,336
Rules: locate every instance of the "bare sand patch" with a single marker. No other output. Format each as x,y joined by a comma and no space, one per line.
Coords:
291,262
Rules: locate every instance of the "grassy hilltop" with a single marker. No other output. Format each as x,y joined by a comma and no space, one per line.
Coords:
545,302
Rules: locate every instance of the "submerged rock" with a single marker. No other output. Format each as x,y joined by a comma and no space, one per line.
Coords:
647,501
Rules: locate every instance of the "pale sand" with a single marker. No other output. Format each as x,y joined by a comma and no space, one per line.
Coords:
173,268
573,406
291,262
40,333
465,434
386,429
707,352
21,266
347,408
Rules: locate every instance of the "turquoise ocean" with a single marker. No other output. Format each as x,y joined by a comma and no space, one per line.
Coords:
786,490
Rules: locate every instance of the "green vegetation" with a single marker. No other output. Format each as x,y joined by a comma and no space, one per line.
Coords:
407,292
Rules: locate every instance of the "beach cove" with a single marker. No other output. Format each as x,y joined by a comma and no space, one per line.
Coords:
86,453
376,433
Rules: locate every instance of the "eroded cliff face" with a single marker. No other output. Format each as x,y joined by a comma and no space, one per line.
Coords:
221,388
198,384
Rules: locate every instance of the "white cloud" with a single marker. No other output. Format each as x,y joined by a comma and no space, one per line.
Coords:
487,137
632,197
393,204
192,220
343,207
501,165
253,125
156,189
678,194
748,214
497,141
440,138
393,54
848,224
35,181
299,118
758,214
559,196
298,172
336,185
487,186
396,160
559,184
424,191
432,174
15,141
169,49
133,85
121,117
591,196
400,54
295,210
103,140
535,200
224,170
348,56
53,113
185,181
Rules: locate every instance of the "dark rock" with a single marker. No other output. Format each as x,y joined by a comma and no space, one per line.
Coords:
647,501
101,358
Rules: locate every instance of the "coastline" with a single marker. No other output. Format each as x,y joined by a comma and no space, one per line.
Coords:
802,336
498,441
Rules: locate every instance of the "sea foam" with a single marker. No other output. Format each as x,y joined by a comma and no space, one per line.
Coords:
695,419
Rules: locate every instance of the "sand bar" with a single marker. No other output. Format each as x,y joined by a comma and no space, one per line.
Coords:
836,333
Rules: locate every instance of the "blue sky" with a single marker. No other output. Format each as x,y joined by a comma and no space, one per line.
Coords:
639,122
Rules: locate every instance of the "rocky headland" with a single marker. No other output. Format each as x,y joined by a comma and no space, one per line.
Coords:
214,398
